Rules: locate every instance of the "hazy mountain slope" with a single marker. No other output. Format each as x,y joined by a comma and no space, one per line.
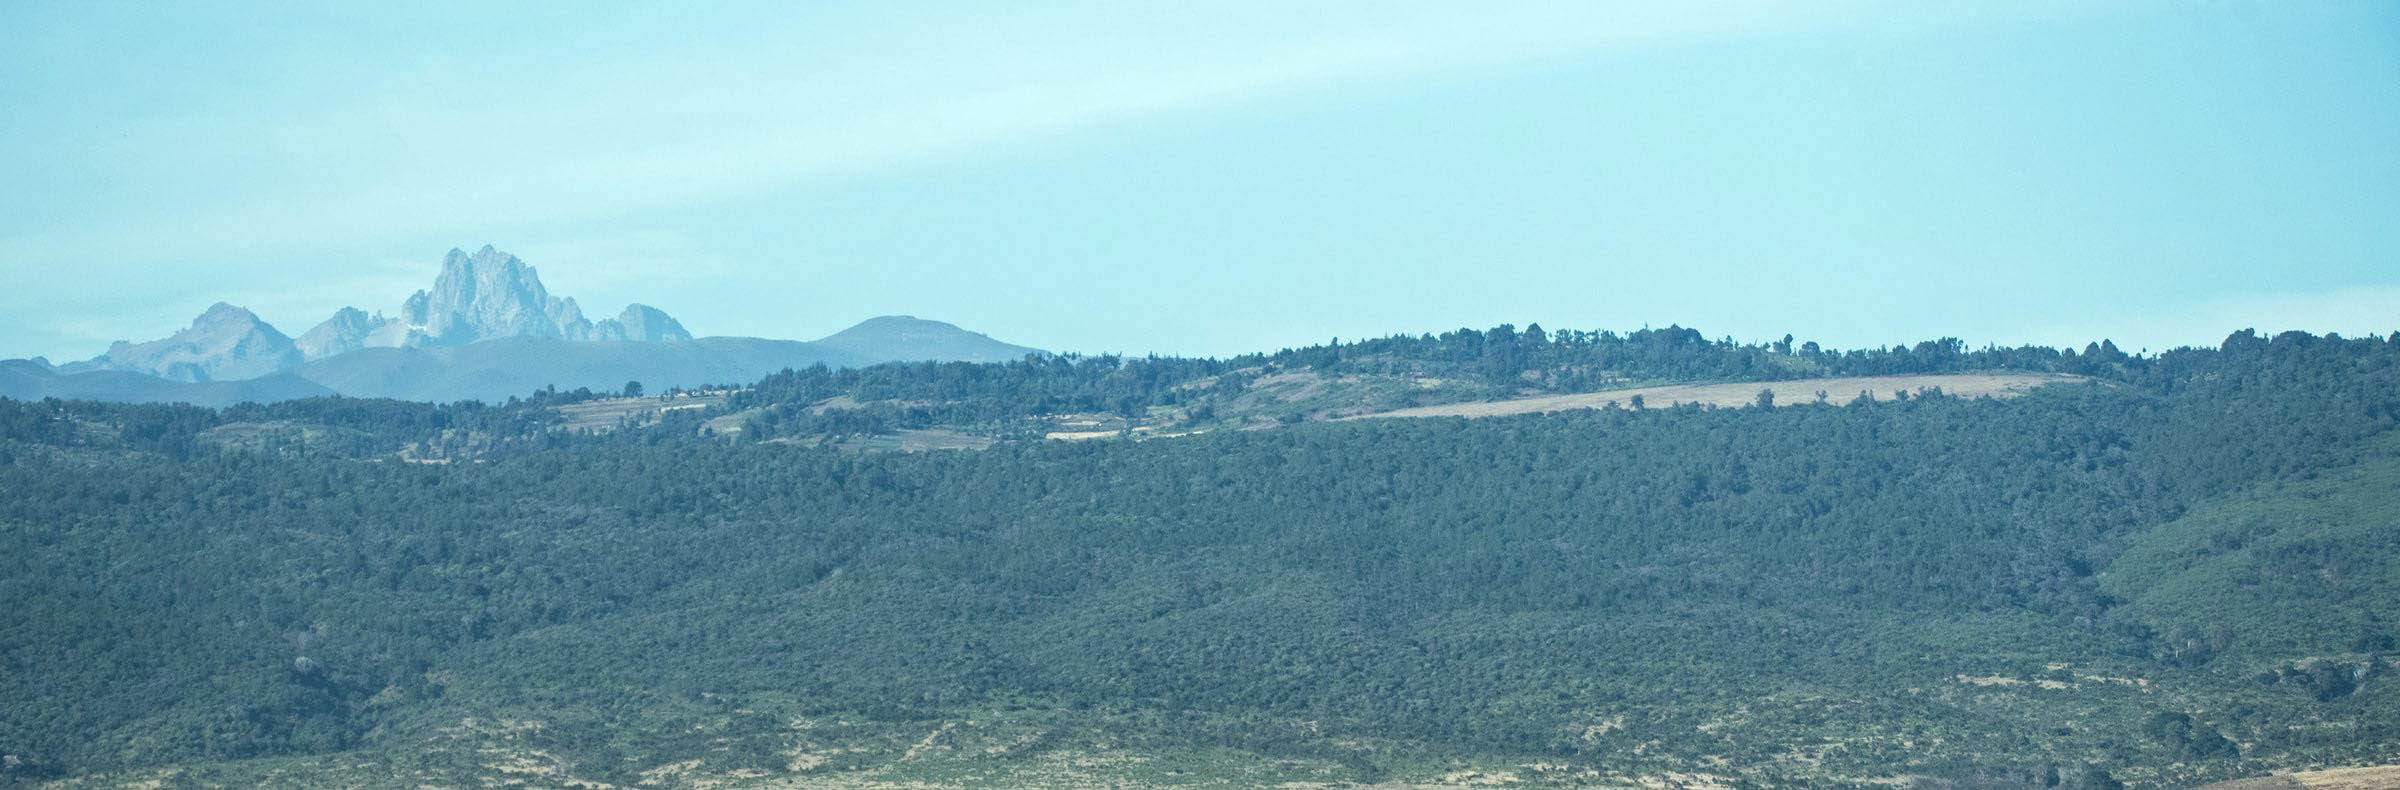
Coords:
643,344
641,323
24,380
494,370
490,330
345,332
902,338
225,343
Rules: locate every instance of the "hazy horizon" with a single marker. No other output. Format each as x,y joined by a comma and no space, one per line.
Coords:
1856,173
1903,531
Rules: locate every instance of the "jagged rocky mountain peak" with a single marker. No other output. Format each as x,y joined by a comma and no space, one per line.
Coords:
414,308
646,324
224,343
226,315
345,332
484,295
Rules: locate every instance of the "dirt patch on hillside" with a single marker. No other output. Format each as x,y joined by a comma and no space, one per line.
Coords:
1787,393
916,440
2004,680
2381,777
606,414
835,403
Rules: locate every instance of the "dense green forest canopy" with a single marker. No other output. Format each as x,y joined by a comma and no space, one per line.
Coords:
2183,568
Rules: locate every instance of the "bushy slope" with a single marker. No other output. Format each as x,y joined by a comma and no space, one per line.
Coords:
1819,594
2287,572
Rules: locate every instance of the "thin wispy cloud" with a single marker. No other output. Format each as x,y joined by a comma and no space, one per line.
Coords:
785,171
616,138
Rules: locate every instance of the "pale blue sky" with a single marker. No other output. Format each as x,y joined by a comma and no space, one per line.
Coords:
1218,177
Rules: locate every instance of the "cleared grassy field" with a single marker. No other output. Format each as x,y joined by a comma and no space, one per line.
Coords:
915,440
1836,390
2382,777
607,413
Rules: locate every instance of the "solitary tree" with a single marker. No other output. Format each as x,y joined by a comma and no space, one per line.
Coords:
633,389
1766,398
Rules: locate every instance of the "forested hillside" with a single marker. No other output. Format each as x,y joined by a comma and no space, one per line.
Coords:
1332,380
2180,569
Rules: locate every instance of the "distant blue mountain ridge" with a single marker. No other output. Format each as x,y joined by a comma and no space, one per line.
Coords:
487,330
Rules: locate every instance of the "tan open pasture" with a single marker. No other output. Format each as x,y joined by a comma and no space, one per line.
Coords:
607,413
1787,393
914,440
2381,777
